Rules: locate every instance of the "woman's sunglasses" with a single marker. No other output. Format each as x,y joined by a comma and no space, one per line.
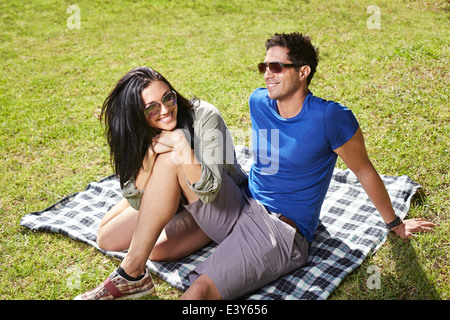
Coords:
154,109
274,67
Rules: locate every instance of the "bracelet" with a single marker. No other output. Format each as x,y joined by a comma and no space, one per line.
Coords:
397,221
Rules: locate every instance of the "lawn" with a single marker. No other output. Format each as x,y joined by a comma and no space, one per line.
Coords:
59,62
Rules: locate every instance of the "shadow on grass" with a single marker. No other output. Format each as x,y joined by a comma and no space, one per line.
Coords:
411,278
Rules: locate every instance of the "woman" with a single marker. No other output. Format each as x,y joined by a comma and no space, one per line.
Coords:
169,154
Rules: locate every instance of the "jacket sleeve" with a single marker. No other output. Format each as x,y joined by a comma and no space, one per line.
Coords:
212,140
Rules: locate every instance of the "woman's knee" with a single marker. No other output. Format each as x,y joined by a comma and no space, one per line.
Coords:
165,160
109,241
102,241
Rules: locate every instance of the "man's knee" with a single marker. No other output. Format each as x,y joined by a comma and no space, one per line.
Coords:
203,288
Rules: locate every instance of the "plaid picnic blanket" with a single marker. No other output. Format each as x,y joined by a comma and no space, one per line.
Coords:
350,229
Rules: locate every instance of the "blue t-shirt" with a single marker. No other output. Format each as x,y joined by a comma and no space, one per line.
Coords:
293,159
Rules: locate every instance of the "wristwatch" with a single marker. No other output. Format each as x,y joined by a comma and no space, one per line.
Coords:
397,221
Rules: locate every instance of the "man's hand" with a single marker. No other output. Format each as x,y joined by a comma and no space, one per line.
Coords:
406,229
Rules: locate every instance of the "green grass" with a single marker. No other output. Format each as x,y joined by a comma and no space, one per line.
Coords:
53,79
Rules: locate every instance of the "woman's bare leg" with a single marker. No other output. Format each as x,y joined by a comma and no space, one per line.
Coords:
116,233
180,237
117,209
158,206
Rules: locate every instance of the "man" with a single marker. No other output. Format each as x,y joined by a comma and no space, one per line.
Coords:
312,134
297,138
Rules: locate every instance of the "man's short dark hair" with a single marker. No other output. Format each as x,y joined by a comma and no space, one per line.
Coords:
301,51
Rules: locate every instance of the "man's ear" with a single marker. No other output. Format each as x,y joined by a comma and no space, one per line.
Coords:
304,72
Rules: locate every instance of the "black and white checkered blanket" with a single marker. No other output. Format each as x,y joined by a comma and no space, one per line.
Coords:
350,228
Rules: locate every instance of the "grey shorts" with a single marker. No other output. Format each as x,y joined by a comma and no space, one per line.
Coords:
254,246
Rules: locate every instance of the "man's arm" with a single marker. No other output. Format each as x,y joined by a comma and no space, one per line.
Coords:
354,155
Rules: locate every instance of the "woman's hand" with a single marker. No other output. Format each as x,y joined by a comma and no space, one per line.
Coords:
166,141
181,152
175,142
160,148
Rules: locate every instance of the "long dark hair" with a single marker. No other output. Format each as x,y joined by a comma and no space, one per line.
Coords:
126,128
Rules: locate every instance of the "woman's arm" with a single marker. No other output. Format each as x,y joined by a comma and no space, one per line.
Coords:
202,166
161,144
175,141
146,169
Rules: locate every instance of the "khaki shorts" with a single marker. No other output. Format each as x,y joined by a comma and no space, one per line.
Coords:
254,246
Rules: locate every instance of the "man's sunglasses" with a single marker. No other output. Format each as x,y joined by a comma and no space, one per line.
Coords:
154,109
274,67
